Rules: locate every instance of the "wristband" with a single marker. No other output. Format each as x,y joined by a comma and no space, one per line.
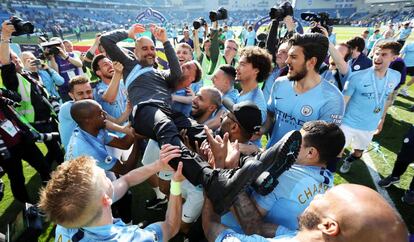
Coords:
175,188
89,55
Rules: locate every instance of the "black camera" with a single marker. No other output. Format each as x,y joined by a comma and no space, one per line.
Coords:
279,13
198,23
42,137
321,18
49,48
261,40
21,27
220,14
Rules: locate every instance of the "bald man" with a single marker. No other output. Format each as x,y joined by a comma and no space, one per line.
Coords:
149,91
91,137
347,212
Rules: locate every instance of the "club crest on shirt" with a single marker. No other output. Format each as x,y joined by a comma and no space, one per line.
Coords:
357,67
306,110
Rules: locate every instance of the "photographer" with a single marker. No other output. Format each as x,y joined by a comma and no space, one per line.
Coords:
66,64
278,48
202,53
35,106
230,50
338,70
17,143
42,73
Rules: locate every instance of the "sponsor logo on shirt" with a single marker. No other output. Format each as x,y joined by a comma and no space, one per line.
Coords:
288,118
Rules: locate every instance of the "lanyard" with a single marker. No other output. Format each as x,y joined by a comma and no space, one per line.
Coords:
135,73
378,100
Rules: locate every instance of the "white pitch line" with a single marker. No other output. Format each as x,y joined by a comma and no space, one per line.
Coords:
375,177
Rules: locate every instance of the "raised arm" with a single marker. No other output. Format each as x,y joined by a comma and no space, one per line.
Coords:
6,31
109,43
173,76
112,91
214,48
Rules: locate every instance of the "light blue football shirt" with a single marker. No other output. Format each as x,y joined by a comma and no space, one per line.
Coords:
119,231
82,143
359,112
66,123
292,110
408,51
296,189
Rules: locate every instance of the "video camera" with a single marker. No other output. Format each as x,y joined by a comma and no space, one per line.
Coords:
220,14
49,48
279,13
198,23
21,27
321,18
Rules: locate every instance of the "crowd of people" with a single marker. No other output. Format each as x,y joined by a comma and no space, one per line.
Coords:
111,118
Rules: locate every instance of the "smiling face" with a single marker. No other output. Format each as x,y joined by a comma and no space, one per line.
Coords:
188,74
145,51
201,103
81,92
184,54
106,69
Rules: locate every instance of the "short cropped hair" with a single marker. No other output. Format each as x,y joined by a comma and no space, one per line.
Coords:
185,46
68,199
395,47
260,59
326,137
77,80
229,70
357,42
215,95
313,45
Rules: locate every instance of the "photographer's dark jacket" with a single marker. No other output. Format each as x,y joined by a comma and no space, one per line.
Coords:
33,106
6,114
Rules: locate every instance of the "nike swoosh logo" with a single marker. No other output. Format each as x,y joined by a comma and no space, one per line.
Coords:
186,216
278,98
367,85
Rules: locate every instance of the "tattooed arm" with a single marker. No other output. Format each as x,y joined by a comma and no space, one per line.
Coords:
211,221
250,217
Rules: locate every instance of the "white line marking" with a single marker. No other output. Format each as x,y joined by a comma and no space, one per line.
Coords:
375,177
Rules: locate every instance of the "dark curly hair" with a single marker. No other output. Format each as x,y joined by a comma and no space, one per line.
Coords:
260,59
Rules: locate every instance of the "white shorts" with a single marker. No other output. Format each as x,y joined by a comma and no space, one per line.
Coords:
193,204
151,154
120,154
356,138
